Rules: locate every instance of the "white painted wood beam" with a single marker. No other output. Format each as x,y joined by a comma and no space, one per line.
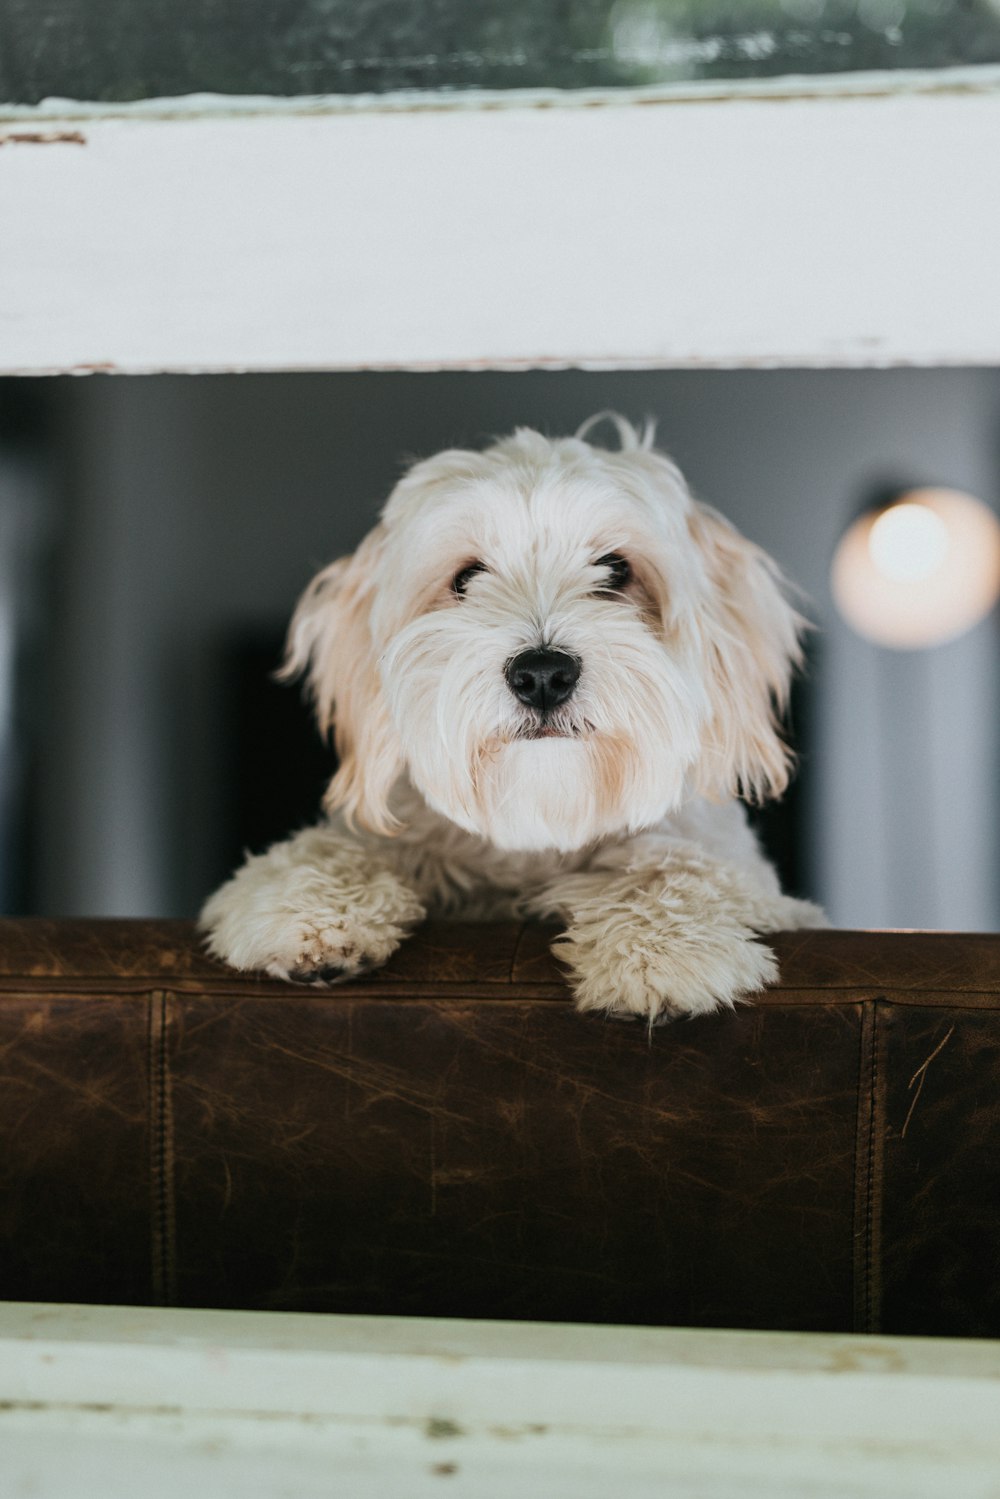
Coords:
750,230
104,1403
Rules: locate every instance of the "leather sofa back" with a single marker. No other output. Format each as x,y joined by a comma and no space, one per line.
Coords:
447,1137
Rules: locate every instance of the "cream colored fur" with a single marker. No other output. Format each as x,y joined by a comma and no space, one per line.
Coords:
619,820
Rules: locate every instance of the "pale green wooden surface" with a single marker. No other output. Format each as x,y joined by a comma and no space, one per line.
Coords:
113,1402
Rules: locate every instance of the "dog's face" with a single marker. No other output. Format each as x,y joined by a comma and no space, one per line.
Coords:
553,641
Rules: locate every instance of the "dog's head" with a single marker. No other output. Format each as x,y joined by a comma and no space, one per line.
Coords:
555,643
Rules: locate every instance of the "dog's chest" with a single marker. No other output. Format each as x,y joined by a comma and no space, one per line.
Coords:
473,881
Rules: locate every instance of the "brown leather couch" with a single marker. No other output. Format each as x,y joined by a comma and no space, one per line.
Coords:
448,1137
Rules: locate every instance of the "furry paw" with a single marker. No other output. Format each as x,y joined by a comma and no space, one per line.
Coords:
664,980
661,983
319,952
330,952
660,943
312,911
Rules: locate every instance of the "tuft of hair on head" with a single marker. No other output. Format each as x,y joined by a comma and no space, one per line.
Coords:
630,439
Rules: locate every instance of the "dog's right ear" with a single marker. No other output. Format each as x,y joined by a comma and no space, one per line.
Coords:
330,640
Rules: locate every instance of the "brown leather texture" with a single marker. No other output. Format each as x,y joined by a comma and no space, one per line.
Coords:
448,1137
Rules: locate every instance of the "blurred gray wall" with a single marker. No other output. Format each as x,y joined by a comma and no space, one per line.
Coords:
197,506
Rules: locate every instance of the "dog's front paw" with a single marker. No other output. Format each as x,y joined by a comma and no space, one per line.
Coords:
662,975
309,920
319,951
322,953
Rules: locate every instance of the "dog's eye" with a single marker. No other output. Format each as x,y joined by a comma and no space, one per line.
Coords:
619,572
460,581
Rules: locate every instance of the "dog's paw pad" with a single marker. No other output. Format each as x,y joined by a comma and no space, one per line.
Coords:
329,974
326,974
334,973
328,954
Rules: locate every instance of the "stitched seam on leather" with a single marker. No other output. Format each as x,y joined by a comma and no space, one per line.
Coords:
870,1180
155,1204
863,1170
873,1207
161,1144
393,991
875,1158
167,1161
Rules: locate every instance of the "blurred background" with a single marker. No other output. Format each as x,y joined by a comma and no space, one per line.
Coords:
155,533
79,49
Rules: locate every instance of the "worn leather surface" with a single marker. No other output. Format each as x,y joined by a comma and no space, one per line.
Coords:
941,1189
448,1137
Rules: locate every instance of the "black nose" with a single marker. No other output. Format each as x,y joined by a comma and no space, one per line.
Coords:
542,679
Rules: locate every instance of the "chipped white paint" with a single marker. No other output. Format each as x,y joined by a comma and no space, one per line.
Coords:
751,230
104,1403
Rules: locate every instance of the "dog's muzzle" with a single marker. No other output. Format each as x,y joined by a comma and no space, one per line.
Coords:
542,679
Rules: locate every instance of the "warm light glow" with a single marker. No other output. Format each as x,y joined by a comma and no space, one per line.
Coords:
908,542
920,572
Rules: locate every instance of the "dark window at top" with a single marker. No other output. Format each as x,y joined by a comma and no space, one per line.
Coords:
122,50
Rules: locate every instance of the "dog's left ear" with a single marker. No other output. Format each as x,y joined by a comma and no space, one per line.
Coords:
750,645
330,640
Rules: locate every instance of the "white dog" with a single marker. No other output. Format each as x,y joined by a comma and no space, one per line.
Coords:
549,672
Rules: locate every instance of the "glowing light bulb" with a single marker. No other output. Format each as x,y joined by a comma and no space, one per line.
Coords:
908,542
920,572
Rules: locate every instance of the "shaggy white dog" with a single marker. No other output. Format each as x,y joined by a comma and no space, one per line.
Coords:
549,672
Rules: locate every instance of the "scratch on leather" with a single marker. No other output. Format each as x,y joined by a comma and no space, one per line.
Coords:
919,1077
